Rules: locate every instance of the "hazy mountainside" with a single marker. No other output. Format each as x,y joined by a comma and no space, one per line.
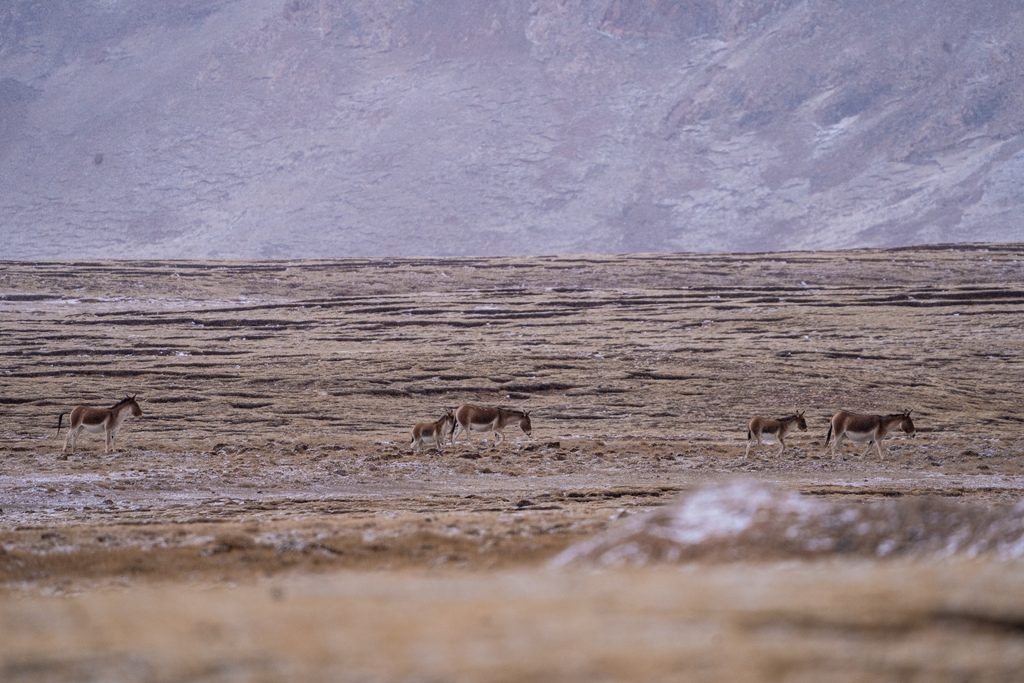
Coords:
265,128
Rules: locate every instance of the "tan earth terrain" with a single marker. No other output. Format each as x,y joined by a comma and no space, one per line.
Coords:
266,519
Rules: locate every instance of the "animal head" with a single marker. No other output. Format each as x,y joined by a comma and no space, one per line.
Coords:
131,403
801,423
907,425
524,422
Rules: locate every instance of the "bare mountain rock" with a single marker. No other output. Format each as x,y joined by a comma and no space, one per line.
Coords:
274,128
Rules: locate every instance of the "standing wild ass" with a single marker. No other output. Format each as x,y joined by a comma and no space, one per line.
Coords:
869,428
470,418
99,420
778,428
433,430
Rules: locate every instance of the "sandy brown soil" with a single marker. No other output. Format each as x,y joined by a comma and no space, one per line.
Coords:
266,518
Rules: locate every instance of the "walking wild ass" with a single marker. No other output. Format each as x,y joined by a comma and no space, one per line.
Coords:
778,428
869,428
470,418
433,430
99,420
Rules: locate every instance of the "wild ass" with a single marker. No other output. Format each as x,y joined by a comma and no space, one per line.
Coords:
470,418
99,420
433,430
869,428
778,428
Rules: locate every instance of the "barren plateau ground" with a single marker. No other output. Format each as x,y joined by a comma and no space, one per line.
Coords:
266,519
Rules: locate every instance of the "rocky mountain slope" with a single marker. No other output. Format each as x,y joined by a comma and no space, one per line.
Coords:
273,128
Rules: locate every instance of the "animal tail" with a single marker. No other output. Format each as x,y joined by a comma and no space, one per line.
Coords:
60,419
828,437
750,435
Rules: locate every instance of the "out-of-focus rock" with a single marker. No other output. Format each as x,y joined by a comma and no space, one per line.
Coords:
748,520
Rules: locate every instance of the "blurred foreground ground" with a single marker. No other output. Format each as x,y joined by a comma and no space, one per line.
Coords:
835,621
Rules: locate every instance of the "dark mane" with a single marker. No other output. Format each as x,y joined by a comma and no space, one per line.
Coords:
124,401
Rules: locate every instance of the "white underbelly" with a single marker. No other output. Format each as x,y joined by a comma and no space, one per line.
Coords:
860,436
94,428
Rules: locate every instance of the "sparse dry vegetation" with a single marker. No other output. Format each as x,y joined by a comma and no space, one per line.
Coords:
267,505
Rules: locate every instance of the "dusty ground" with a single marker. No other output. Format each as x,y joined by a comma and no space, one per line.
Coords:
266,519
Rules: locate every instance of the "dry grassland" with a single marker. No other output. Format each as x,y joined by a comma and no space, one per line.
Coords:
265,519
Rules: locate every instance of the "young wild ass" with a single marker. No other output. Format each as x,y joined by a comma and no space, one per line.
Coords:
469,418
778,428
99,420
433,430
869,428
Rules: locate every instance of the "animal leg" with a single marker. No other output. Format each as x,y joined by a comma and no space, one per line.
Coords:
837,443
782,446
500,437
754,436
74,438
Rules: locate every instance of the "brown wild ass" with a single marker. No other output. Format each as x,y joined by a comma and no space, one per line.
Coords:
433,430
778,428
469,418
99,420
869,428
